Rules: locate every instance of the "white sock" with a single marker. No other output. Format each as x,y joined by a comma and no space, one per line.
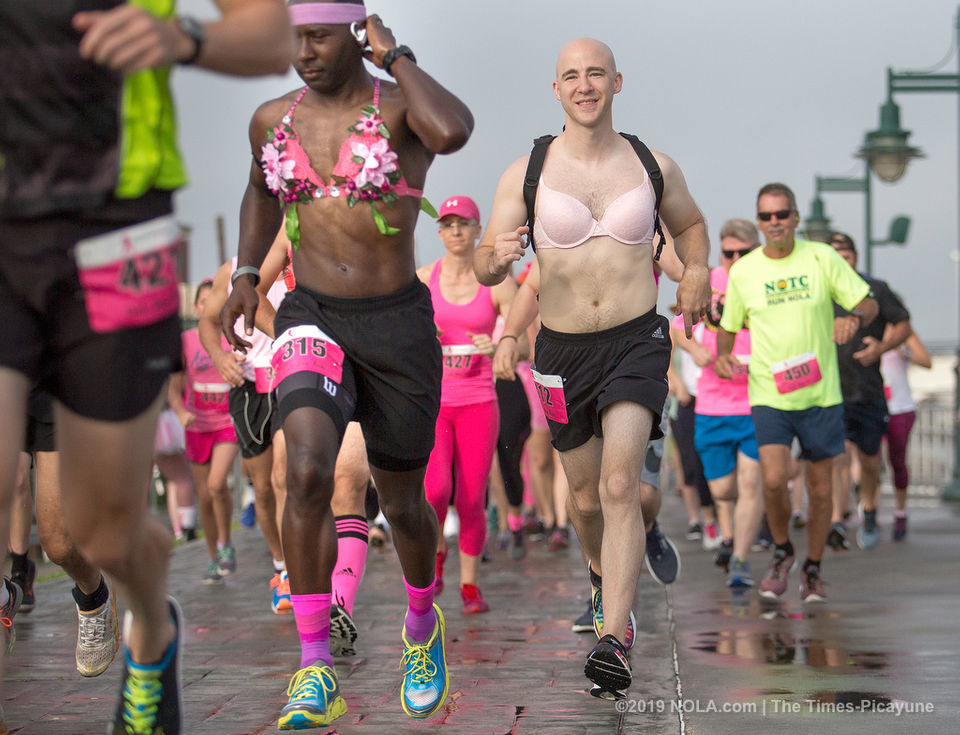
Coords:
279,566
188,516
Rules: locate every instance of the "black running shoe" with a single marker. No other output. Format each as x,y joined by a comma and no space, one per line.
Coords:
723,556
608,668
25,580
663,559
837,537
343,632
9,611
584,624
150,696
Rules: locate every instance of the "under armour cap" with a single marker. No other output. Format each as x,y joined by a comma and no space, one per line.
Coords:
459,205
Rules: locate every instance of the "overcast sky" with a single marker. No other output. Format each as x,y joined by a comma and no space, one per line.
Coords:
738,92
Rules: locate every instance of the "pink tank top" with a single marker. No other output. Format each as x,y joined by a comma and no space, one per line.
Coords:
205,393
467,375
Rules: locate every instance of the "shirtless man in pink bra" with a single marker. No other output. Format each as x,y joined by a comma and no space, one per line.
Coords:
347,157
602,352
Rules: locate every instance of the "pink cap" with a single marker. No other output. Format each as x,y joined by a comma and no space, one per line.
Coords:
463,206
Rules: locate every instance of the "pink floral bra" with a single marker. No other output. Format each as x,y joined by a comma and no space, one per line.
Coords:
365,171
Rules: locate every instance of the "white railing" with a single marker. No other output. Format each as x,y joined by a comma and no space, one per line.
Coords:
930,452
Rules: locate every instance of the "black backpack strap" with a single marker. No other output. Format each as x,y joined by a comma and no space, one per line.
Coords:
656,180
532,179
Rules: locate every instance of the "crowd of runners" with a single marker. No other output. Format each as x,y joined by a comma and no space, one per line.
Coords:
365,395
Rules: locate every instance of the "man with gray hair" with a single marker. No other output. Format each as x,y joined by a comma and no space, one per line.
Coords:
724,435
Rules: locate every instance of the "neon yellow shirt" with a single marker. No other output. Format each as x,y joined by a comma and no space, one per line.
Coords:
788,306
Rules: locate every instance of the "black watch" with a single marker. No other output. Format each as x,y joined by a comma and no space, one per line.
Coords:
192,28
393,54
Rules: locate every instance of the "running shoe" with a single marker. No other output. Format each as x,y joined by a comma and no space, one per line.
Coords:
212,575
438,572
538,532
378,535
227,559
25,580
248,518
503,539
451,525
518,545
559,539
695,532
739,574
98,638
189,534
608,668
314,699
584,624
596,610
425,677
281,603
150,695
837,537
797,520
899,528
711,537
9,611
343,632
764,538
663,559
869,532
774,583
811,585
473,601
723,555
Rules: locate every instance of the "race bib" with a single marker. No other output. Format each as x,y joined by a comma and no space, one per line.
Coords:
798,372
129,276
460,361
263,374
550,391
209,397
306,348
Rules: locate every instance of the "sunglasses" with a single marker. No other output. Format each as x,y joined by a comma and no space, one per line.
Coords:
780,215
450,224
735,253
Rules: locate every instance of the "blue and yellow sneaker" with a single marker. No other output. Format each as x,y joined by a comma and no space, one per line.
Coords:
314,699
596,602
425,677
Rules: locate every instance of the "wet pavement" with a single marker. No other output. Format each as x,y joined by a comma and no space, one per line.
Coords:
881,656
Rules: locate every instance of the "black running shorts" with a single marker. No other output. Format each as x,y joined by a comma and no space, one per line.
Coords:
45,330
391,370
597,369
255,418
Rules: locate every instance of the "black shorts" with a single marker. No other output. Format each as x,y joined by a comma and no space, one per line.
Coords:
865,424
626,363
391,373
45,331
255,418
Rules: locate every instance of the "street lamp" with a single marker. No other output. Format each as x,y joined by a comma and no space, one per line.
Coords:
818,224
887,147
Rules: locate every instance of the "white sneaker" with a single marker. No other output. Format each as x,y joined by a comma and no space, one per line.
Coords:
98,638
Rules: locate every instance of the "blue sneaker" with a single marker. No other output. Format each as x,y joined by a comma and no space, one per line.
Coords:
314,700
248,518
869,532
426,680
596,603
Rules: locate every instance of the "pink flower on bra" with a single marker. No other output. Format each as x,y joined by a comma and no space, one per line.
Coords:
276,169
368,124
378,161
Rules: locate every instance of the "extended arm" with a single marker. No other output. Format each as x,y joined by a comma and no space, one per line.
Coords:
251,37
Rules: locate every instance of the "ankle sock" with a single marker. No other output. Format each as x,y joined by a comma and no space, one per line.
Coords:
786,548
18,564
811,563
86,603
421,619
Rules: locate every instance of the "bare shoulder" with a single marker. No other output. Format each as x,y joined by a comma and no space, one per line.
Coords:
667,165
269,114
423,273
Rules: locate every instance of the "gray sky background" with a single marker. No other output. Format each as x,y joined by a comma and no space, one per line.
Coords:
738,92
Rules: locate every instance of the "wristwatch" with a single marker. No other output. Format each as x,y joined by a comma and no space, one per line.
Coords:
193,29
393,54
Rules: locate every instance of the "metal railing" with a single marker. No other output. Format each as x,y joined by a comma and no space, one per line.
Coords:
930,451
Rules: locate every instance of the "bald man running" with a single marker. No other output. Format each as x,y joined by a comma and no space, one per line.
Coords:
602,352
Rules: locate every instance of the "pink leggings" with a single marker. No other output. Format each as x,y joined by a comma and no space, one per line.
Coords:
463,451
898,434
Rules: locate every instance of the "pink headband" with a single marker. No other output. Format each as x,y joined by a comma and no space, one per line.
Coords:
302,14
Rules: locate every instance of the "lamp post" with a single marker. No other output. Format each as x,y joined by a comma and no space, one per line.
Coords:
818,224
887,152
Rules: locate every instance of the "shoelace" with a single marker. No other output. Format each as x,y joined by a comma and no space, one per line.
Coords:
141,695
92,630
418,663
311,683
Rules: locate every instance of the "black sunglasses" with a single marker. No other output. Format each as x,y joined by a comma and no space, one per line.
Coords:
781,215
735,253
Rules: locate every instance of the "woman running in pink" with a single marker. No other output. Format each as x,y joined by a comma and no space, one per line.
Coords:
198,395
467,427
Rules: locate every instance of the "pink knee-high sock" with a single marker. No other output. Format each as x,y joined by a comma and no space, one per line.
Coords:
515,522
421,619
312,613
352,539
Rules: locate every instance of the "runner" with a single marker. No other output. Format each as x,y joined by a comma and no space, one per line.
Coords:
355,339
